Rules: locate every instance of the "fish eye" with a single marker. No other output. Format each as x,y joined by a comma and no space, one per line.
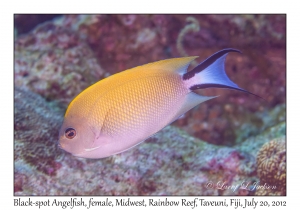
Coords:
70,133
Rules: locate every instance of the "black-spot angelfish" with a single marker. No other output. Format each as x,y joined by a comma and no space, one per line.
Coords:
121,111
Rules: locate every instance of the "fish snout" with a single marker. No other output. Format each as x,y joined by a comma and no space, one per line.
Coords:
59,145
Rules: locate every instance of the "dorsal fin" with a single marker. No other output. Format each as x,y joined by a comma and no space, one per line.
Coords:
178,65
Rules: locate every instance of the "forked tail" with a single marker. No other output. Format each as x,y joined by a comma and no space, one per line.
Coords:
211,73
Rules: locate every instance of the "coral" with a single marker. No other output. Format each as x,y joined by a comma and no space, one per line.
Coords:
119,41
55,63
192,25
26,22
169,163
260,121
60,58
268,192
271,166
127,20
35,133
254,143
125,41
145,40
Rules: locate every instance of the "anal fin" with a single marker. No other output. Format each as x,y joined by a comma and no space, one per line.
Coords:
191,100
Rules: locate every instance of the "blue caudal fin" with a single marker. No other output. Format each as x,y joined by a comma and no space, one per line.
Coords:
211,73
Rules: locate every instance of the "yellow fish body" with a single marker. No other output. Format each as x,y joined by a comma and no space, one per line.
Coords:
124,109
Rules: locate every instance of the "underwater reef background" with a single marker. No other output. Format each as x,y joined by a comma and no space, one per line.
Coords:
236,139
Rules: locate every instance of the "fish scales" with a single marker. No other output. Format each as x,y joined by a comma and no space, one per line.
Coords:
140,104
123,110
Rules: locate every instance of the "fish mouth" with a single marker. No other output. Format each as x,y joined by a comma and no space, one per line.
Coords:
60,146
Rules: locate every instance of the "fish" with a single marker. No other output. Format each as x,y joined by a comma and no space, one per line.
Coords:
124,109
